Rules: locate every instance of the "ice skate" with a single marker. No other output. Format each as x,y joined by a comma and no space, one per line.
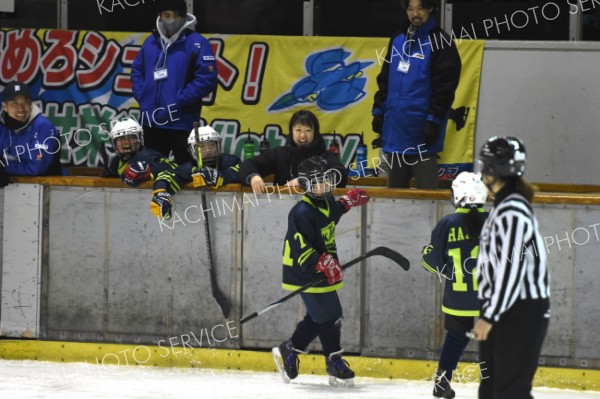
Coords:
286,360
441,387
338,370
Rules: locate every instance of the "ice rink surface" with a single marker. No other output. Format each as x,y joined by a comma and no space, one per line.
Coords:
32,379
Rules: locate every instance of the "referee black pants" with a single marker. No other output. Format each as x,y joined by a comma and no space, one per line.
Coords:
509,357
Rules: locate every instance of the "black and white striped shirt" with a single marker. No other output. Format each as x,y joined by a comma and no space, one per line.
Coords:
512,261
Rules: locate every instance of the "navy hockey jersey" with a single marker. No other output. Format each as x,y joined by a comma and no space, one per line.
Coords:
228,167
310,233
452,255
157,161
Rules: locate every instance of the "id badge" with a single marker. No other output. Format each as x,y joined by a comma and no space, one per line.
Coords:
403,66
160,74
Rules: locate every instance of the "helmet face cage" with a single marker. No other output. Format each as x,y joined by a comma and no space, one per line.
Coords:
468,190
318,186
209,142
502,157
315,178
127,137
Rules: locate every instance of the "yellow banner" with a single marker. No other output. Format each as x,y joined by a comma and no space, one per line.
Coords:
460,132
268,78
81,81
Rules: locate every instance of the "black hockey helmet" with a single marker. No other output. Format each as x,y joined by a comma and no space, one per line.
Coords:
315,177
502,157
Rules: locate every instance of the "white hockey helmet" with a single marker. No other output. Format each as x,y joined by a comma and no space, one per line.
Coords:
131,134
468,189
205,134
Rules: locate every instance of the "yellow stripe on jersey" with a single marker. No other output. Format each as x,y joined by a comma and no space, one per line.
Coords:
169,177
468,210
302,258
429,268
324,211
464,313
122,166
314,290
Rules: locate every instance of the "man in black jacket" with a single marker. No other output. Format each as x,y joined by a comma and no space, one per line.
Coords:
304,141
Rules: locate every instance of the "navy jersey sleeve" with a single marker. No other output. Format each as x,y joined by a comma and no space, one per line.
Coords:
229,168
434,254
173,179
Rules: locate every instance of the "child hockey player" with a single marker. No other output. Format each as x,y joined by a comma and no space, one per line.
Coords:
218,169
452,255
132,162
310,249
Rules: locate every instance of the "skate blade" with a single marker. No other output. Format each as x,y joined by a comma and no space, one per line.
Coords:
338,382
279,363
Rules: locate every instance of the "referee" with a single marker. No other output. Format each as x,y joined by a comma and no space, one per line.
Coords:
514,285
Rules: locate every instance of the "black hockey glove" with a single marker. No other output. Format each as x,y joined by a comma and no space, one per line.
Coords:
162,203
377,124
206,177
431,133
377,143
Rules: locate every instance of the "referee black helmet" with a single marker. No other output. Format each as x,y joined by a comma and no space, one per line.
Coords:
503,157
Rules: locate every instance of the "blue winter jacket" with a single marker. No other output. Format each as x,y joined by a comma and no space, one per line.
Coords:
423,93
175,101
32,150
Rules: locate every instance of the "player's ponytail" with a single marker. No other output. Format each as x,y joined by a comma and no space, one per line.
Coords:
474,222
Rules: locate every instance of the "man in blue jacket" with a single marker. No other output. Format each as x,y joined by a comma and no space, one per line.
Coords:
416,90
30,144
172,72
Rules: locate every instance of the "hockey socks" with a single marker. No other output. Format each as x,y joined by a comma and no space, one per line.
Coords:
452,350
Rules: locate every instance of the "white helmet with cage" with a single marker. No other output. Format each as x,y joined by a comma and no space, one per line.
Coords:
206,136
127,137
468,190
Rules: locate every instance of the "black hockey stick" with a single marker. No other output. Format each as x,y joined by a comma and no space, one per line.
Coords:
382,251
216,292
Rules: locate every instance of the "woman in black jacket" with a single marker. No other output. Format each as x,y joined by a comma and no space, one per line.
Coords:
303,141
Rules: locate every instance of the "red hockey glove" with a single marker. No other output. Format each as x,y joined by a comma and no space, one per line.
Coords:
354,197
331,267
135,173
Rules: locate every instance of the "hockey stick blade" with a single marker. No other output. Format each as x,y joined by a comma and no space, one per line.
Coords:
393,256
221,299
382,251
